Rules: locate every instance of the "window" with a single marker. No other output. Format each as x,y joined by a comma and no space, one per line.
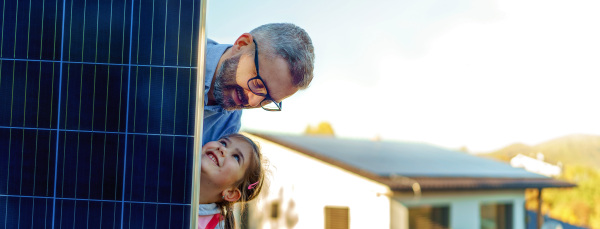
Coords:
275,210
429,217
337,218
496,216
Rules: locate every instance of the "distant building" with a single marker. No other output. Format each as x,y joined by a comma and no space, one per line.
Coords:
326,182
534,165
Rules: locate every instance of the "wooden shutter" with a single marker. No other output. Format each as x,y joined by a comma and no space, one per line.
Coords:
337,218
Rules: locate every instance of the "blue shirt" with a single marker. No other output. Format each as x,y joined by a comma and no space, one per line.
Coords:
218,122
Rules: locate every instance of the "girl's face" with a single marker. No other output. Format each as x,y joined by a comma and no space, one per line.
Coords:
225,161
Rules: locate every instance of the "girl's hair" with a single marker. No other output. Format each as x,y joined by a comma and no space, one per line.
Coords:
255,173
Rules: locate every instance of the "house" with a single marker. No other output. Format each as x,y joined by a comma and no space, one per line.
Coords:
535,165
327,182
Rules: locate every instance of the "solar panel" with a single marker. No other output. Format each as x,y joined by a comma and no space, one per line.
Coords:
97,104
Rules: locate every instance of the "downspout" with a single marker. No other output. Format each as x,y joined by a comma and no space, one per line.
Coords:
540,219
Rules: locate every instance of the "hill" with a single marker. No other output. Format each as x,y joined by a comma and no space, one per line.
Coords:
569,150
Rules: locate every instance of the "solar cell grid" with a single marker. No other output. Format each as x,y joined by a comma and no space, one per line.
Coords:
97,113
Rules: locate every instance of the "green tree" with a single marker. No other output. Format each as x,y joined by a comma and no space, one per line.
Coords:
579,205
324,128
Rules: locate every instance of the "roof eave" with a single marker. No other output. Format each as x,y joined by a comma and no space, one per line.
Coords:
475,183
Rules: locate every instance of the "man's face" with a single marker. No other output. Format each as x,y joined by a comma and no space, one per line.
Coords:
231,85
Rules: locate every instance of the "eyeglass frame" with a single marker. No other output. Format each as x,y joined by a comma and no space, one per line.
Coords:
266,95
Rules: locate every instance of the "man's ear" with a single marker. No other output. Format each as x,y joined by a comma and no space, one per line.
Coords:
231,194
242,41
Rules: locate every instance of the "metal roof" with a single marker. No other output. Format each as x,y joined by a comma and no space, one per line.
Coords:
435,167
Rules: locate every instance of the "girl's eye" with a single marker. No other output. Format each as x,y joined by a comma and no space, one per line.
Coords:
237,157
223,142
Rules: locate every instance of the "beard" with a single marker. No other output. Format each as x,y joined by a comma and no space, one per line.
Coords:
226,82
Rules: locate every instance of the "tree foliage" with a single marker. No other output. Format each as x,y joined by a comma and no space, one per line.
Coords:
324,128
580,157
577,206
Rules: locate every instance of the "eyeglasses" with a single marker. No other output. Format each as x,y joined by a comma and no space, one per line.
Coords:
258,87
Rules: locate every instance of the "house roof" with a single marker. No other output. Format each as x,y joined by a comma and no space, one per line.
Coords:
400,164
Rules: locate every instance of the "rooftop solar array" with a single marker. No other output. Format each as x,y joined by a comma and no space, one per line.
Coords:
97,113
388,158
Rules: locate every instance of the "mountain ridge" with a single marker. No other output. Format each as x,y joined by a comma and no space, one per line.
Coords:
574,149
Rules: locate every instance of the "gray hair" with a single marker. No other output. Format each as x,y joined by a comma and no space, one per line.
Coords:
291,43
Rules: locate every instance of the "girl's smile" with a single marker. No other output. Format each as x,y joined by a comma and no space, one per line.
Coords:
213,157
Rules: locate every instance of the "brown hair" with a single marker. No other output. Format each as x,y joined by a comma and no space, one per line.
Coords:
254,173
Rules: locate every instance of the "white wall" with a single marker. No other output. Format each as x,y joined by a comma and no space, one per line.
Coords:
464,206
398,215
304,186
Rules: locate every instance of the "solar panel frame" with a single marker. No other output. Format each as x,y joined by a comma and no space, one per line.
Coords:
74,147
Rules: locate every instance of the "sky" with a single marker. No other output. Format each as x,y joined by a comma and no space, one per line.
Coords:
479,74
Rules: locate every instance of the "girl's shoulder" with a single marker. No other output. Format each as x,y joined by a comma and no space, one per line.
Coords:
209,221
209,216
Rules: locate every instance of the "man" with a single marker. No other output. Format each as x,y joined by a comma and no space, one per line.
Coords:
260,69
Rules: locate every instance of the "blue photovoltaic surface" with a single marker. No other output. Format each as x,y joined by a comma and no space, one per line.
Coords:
96,113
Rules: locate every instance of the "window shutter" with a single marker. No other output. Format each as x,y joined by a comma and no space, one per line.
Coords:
337,218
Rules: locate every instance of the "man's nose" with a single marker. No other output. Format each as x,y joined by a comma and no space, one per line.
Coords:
254,99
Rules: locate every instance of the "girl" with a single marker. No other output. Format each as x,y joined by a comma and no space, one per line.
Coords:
231,172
